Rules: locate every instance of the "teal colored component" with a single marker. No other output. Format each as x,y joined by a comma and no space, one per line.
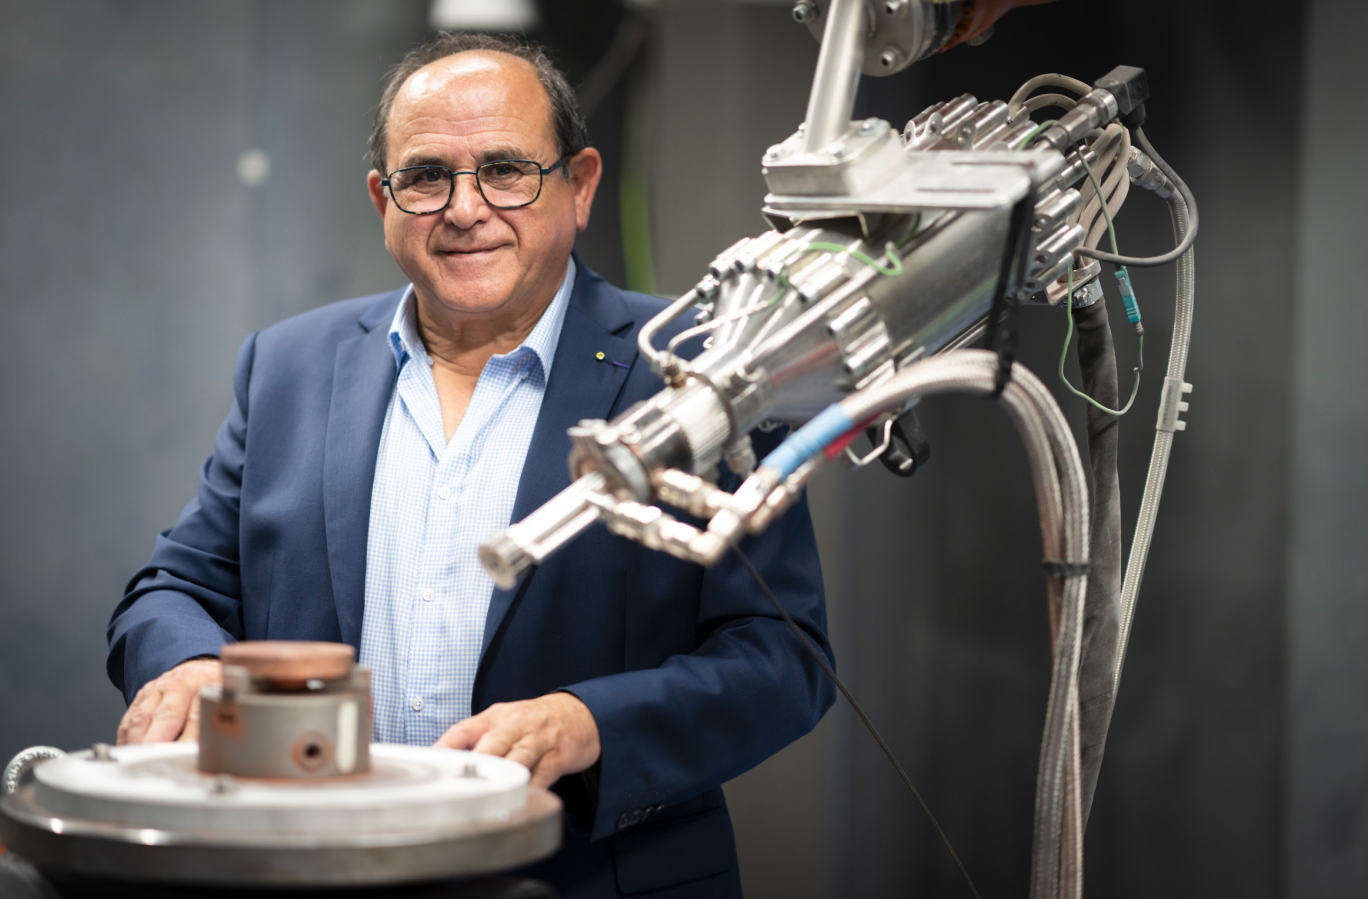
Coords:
1128,295
809,440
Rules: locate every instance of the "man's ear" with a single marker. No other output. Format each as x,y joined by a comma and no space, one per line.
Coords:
586,168
379,196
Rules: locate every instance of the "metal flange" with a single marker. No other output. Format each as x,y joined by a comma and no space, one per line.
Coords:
900,31
150,816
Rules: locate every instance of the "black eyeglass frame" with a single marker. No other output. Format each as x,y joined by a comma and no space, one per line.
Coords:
451,182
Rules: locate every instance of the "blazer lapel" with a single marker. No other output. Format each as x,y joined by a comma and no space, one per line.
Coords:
582,385
363,379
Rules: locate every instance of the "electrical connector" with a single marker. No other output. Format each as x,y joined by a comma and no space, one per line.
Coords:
1128,299
1130,86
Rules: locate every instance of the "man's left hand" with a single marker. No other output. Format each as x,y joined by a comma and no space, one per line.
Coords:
552,735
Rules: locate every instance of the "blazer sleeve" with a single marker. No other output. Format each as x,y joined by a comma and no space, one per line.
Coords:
187,600
749,689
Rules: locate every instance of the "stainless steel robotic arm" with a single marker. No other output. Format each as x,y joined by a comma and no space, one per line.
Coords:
890,252
887,248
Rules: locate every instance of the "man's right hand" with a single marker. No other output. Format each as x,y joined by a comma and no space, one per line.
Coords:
168,708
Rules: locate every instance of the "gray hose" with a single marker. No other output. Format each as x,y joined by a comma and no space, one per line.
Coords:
1163,439
1062,497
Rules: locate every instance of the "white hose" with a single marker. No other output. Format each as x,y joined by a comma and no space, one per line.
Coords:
1163,439
1116,186
1081,88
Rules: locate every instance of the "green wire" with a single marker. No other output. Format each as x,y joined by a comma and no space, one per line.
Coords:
1032,135
1068,306
1064,354
1097,186
892,269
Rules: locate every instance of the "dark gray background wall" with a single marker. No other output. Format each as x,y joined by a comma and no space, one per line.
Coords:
1327,591
134,259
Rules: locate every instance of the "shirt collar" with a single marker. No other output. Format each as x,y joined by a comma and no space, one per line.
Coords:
407,343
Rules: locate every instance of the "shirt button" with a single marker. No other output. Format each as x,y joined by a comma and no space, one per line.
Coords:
428,594
444,493
416,703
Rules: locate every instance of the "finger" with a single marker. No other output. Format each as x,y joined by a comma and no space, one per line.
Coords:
139,715
499,740
192,722
528,751
168,720
549,770
465,734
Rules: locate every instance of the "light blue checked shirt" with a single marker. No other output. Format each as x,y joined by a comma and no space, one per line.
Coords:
432,504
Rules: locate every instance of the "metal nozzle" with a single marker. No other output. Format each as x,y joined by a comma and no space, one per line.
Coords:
504,559
509,553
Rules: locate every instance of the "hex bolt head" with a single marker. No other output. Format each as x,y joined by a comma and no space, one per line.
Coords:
222,785
895,7
891,58
805,11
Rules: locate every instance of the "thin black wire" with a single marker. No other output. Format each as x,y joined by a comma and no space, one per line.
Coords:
874,731
1183,190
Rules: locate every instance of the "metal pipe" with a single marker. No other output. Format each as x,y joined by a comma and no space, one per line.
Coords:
832,101
646,336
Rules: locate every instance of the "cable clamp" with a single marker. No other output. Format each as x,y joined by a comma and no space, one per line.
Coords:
1171,404
1062,568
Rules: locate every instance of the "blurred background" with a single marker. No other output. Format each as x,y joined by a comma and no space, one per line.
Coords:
174,176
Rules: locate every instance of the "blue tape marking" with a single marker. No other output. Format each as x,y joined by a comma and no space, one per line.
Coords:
1128,295
809,440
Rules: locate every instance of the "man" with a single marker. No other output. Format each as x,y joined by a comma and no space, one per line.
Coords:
374,443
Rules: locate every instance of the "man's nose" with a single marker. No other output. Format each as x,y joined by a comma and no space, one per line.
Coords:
467,207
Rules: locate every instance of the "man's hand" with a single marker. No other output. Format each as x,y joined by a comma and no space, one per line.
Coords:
168,708
552,735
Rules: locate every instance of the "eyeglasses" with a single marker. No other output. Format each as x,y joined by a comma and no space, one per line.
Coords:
504,184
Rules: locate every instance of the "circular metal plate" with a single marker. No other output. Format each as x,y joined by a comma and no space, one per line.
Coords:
422,814
290,661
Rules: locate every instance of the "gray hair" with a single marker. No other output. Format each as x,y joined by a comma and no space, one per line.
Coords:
572,135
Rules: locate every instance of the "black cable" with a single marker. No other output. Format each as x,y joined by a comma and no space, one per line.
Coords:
1188,198
874,731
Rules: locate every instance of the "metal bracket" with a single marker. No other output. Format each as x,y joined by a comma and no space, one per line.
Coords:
960,180
861,462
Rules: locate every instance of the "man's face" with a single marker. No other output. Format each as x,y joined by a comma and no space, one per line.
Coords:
474,260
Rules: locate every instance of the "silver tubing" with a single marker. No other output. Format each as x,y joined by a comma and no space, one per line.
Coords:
1062,496
646,336
509,553
832,101
1163,439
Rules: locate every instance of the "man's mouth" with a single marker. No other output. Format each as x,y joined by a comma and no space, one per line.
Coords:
471,251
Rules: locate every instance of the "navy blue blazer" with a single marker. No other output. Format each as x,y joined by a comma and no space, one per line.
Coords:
691,677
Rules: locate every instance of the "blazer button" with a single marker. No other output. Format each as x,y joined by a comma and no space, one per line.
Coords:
624,821
637,815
